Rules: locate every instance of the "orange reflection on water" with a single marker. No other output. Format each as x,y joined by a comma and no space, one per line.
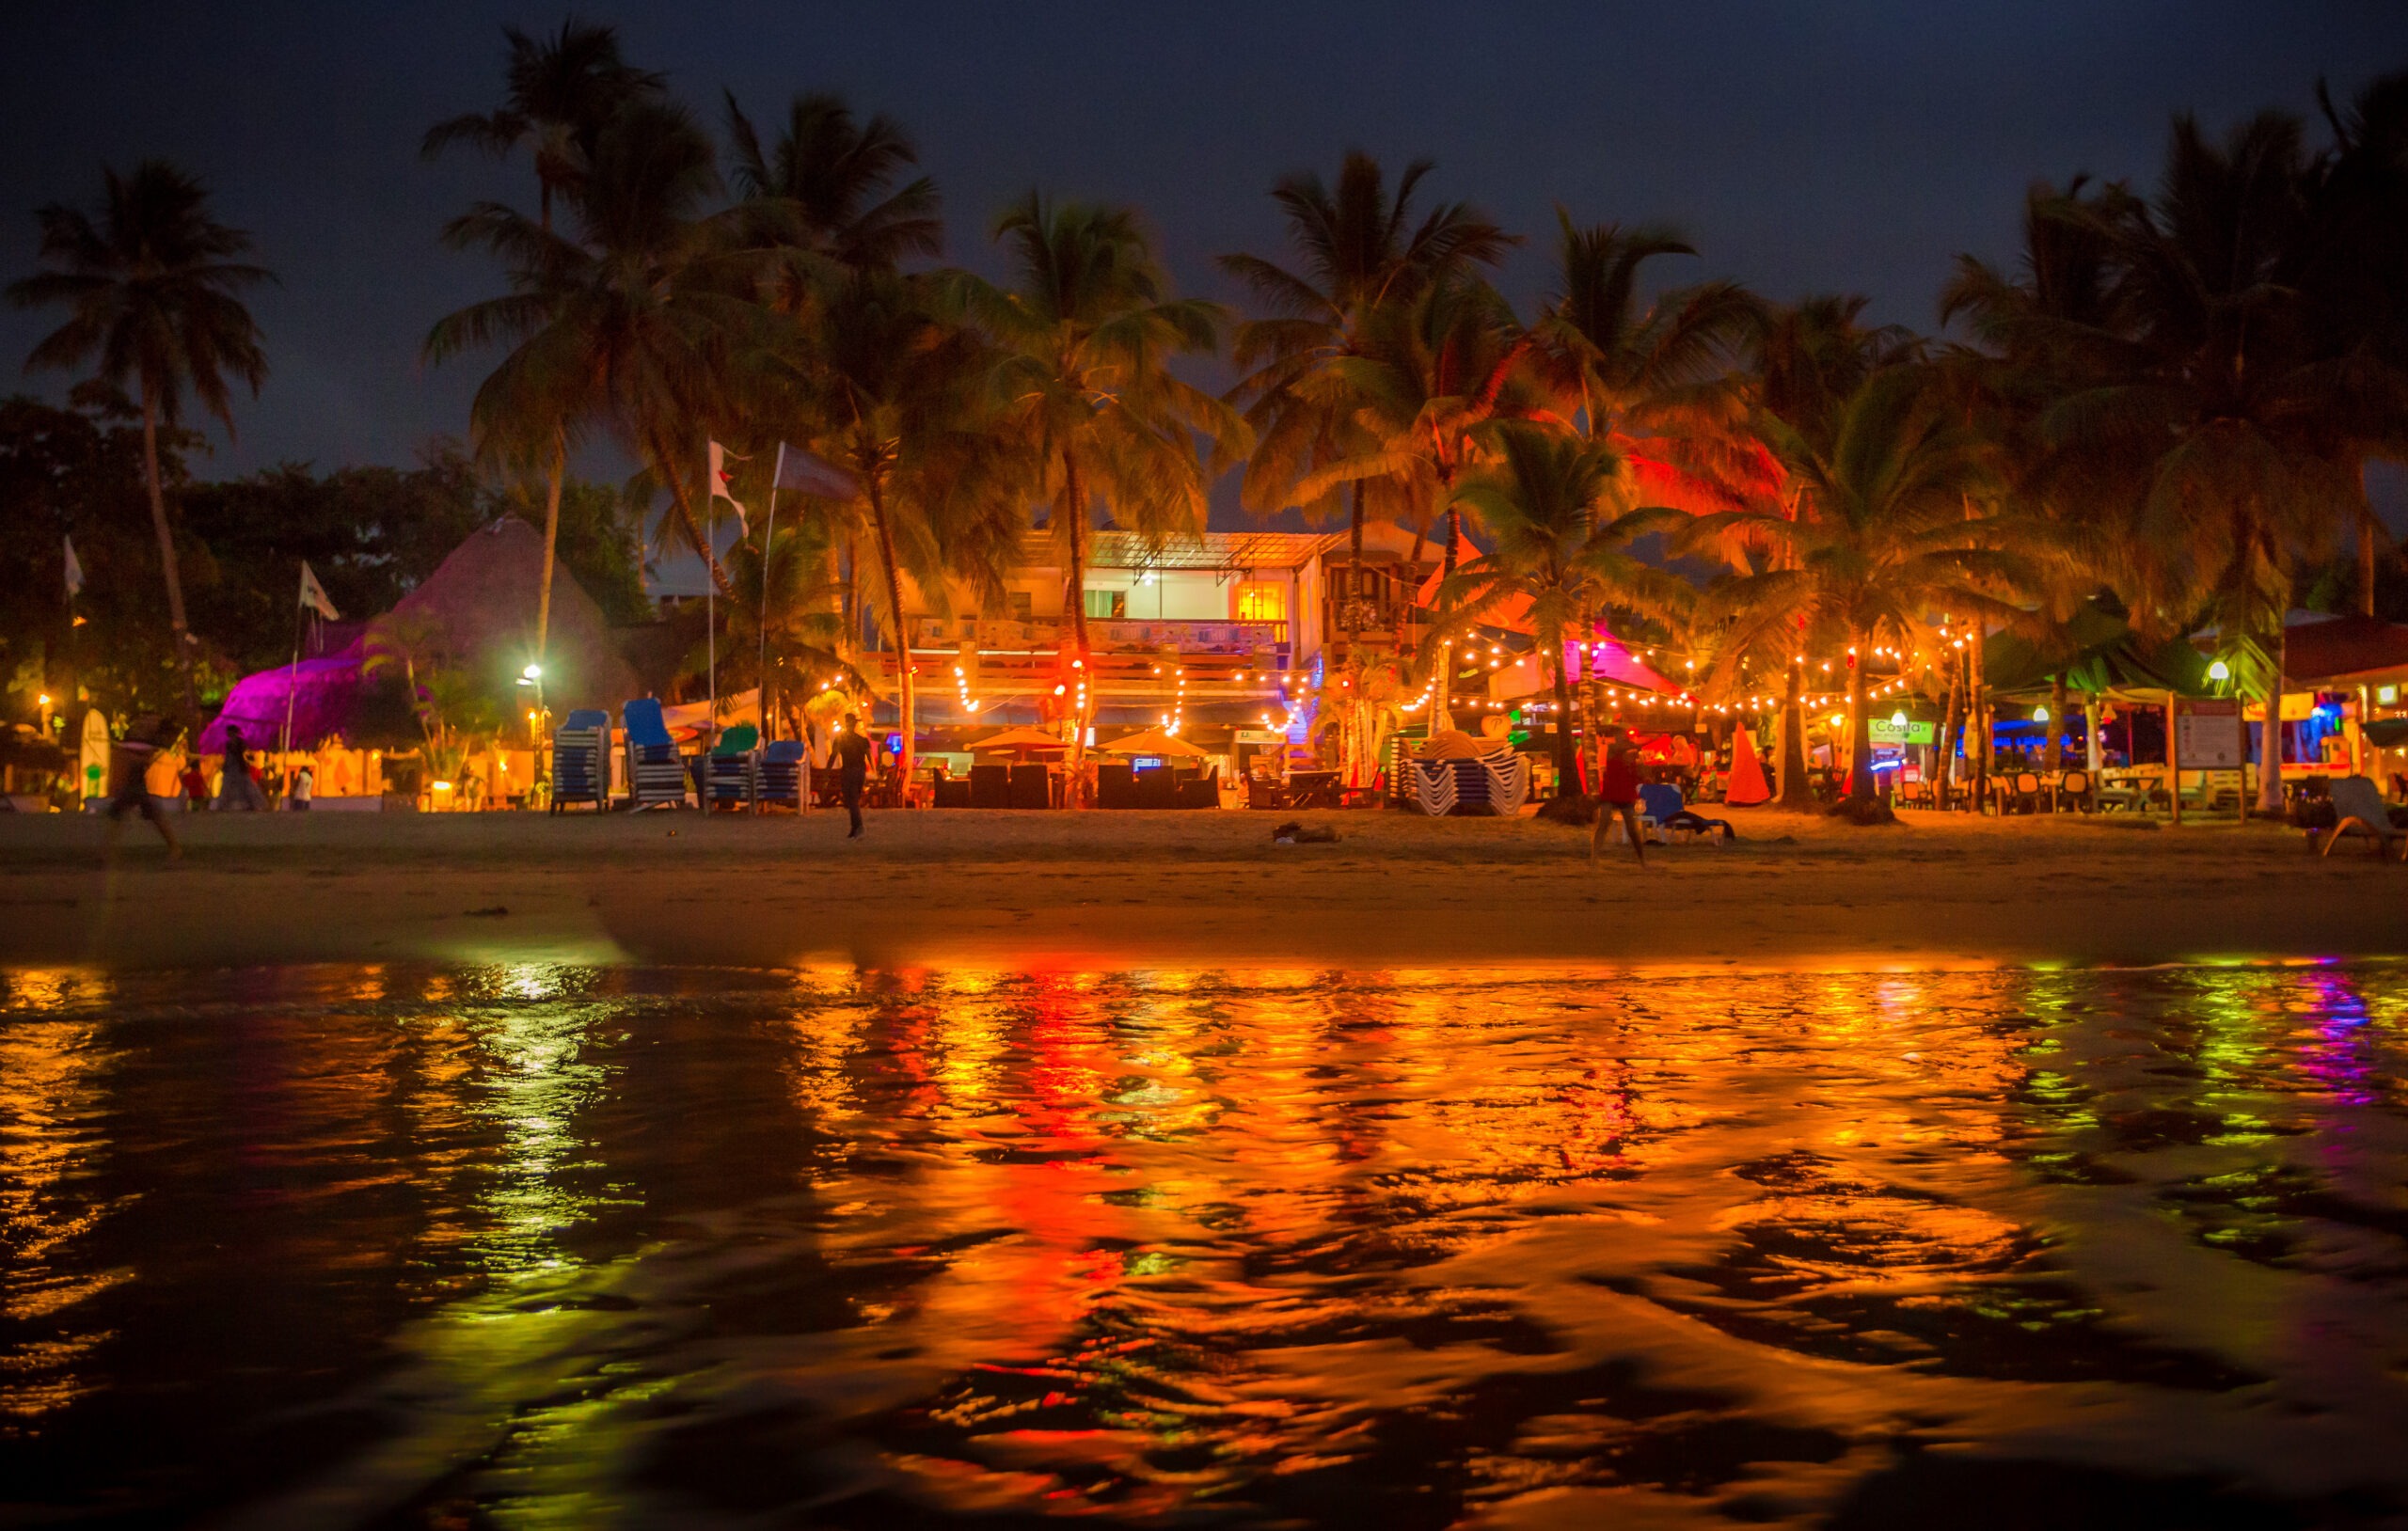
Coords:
1327,1247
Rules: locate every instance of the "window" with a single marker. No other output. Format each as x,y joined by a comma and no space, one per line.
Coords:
1104,605
1261,601
1023,605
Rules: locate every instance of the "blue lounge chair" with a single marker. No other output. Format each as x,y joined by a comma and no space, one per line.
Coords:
656,777
780,776
1663,809
580,768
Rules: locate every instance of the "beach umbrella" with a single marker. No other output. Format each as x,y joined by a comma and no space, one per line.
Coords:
1019,738
1748,786
1153,742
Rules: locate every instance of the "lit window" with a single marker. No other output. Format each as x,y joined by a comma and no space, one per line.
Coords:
1261,601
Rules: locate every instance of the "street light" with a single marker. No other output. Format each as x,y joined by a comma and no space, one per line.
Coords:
2040,714
1898,718
2219,671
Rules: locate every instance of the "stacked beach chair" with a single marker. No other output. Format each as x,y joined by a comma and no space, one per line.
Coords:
656,775
779,775
729,770
581,767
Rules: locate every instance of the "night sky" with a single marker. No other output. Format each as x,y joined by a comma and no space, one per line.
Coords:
1803,148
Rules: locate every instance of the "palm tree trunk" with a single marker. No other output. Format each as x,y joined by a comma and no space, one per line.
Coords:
906,694
1075,505
2270,767
551,544
1566,778
1796,794
1444,706
1978,713
2366,557
2054,758
1346,625
166,547
1943,766
1859,722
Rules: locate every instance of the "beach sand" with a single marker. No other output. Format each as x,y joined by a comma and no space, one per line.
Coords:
1204,887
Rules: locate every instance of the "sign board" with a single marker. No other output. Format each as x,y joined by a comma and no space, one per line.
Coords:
2208,736
2296,708
1918,731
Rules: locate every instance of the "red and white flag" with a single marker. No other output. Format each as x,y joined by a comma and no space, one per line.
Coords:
721,482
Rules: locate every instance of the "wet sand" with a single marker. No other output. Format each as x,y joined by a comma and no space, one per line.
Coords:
1004,888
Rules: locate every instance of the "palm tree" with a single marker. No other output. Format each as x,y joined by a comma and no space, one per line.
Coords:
1657,379
783,615
1878,544
559,94
1356,249
2231,438
625,322
896,392
1085,335
823,188
1557,508
1426,380
150,286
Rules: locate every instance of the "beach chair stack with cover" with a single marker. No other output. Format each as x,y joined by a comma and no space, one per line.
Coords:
778,779
580,772
728,773
656,775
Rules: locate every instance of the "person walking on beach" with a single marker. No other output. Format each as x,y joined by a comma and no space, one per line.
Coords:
130,761
852,752
304,780
1618,797
236,791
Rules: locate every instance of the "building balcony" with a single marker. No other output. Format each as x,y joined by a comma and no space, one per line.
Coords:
1108,635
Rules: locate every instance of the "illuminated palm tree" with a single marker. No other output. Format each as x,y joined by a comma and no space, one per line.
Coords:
625,321
1657,379
1558,509
2229,437
151,287
559,94
1085,336
1878,544
898,396
1356,249
1424,383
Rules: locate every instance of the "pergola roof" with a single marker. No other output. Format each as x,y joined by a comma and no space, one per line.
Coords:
1218,551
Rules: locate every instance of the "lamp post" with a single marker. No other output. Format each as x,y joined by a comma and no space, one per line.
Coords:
532,677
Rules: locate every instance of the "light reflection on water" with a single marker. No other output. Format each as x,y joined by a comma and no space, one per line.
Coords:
535,1245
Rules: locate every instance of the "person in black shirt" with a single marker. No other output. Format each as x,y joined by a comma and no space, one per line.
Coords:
852,749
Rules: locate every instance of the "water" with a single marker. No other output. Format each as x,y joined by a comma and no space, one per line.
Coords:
522,1246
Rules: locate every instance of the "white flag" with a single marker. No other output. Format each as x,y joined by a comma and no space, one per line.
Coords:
720,479
313,594
74,570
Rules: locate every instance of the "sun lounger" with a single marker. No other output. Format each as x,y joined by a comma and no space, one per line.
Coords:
656,775
728,771
1662,808
2359,810
1116,786
777,781
580,772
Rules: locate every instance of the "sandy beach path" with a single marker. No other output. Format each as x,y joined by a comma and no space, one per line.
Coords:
1014,888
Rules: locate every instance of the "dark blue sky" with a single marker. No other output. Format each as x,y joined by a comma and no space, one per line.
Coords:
1805,147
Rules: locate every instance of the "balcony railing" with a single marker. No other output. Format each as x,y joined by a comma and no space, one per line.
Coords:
1105,634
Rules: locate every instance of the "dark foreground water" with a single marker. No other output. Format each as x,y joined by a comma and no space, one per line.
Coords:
545,1246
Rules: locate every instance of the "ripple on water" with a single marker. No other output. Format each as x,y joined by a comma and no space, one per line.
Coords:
407,1245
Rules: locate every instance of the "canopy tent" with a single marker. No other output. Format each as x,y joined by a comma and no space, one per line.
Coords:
1607,658
2387,733
693,717
1153,742
2345,651
2098,653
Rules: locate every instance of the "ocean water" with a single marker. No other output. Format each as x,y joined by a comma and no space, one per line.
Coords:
557,1246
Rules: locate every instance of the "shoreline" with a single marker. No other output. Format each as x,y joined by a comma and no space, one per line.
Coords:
995,890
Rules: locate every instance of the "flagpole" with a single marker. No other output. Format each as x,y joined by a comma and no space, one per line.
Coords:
293,676
769,535
710,629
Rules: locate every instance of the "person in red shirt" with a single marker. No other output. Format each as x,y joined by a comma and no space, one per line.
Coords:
1618,796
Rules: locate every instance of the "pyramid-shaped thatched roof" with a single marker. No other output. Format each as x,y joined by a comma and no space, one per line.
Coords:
477,611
